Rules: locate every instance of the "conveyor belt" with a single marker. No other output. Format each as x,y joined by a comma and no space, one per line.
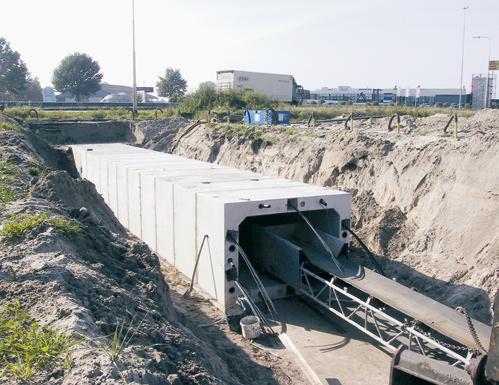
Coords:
437,316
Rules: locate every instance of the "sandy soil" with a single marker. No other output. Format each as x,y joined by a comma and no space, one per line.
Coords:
263,361
426,203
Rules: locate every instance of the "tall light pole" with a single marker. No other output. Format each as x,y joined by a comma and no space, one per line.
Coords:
488,71
134,95
462,57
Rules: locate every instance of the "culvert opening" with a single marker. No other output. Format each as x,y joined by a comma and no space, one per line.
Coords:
278,244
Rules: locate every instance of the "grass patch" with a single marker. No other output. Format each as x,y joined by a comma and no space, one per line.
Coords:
302,113
27,349
8,173
22,224
9,126
122,338
235,129
100,114
7,194
290,131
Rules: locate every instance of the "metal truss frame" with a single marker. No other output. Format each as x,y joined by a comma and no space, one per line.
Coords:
368,318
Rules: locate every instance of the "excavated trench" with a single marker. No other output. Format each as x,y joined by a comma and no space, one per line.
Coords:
97,280
425,203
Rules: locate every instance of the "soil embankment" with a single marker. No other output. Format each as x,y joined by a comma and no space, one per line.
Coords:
426,203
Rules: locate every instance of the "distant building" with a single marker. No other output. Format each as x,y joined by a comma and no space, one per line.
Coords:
410,96
276,87
478,89
120,97
106,90
48,95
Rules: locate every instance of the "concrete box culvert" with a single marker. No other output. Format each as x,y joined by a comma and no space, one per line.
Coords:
172,203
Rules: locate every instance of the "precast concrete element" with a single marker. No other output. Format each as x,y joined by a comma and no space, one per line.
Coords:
172,203
64,132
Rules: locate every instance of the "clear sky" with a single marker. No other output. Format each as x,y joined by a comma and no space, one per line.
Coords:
375,43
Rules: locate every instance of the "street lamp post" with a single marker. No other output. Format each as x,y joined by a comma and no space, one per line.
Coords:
134,93
462,57
487,90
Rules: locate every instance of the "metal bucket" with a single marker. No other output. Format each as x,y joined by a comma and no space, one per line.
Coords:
250,326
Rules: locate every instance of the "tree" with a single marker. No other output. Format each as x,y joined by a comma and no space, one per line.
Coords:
206,95
13,71
32,91
172,84
77,74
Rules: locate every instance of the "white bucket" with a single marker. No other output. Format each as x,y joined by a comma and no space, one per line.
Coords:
250,326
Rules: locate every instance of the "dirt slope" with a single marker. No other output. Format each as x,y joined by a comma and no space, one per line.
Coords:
89,283
426,203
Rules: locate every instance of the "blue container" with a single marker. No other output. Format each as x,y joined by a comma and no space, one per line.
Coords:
266,117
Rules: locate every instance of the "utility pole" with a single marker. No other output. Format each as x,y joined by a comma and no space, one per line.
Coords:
487,90
134,95
462,57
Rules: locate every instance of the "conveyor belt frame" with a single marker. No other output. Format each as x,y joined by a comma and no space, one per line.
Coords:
402,328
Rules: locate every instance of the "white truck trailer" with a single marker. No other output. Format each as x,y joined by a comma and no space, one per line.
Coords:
276,87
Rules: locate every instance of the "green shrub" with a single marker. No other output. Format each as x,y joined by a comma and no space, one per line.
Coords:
290,131
9,126
22,224
8,172
207,98
7,194
27,349
100,114
35,169
302,113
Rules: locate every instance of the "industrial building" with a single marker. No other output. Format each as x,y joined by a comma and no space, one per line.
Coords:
410,96
276,87
479,85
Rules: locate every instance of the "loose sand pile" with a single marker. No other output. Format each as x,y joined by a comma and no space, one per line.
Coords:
425,202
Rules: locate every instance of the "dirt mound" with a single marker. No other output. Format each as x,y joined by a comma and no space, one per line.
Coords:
158,135
426,203
431,125
97,284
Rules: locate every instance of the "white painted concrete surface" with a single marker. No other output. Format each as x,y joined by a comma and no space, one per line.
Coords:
172,202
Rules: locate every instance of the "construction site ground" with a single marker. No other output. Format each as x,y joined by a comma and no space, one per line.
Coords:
323,347
424,202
